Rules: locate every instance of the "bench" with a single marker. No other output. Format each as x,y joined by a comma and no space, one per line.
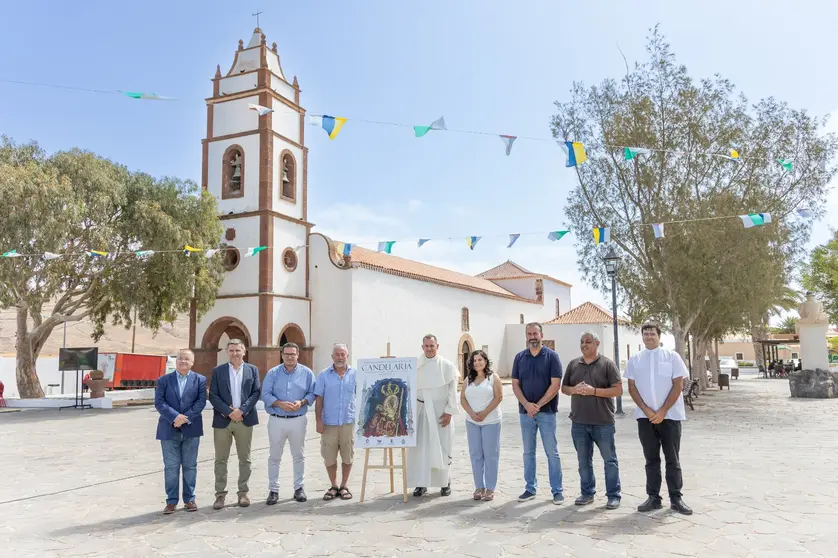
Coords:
690,392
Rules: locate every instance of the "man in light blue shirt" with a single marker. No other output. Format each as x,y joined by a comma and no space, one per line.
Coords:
335,412
288,391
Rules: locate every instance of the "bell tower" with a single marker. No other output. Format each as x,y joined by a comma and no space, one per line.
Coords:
255,164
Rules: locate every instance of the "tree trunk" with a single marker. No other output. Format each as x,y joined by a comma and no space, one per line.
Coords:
759,332
680,337
28,384
699,364
714,360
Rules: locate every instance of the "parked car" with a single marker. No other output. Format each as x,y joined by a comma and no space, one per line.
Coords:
729,366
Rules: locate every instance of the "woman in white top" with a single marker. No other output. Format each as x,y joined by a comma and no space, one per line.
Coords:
480,399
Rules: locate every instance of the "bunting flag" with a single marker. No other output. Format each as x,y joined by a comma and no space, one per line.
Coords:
755,219
421,242
786,164
632,152
147,96
575,153
386,246
333,125
253,251
438,124
556,235
602,234
97,253
145,253
508,141
11,254
187,249
733,155
472,241
344,248
211,252
658,229
260,109
512,239
51,256
805,213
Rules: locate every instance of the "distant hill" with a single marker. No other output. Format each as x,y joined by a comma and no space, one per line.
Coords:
168,340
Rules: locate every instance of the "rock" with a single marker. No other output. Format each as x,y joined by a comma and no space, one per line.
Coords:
819,384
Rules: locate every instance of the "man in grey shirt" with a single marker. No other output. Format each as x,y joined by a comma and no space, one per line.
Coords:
593,382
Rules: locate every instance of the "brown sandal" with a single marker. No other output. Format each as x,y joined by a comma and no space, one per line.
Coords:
489,495
344,493
331,494
478,494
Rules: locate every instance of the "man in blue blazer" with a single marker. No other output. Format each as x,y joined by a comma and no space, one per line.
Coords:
234,391
179,398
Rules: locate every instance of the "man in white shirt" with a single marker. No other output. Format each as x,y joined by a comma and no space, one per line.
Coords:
656,381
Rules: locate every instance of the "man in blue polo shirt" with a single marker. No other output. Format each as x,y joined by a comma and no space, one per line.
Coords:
536,381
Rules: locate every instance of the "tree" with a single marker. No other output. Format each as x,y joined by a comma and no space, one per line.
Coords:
822,276
75,202
788,325
658,106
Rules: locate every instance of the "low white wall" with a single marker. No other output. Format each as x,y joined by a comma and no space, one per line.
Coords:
47,368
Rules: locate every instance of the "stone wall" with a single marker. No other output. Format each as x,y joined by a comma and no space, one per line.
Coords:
819,384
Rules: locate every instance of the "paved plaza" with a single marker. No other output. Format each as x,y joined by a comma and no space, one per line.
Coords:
759,471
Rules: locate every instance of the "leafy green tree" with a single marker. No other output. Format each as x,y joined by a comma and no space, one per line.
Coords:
658,105
75,202
788,325
821,276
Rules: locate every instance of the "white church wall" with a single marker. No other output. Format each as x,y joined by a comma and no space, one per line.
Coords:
285,121
291,311
524,287
553,291
281,87
401,311
250,200
233,117
248,59
237,83
295,208
331,304
564,336
289,235
244,309
244,279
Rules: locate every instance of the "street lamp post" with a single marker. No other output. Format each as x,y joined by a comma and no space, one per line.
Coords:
612,262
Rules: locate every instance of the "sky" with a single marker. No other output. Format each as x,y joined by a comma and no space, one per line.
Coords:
487,66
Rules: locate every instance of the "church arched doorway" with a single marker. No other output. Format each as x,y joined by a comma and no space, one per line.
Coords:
465,348
292,333
220,332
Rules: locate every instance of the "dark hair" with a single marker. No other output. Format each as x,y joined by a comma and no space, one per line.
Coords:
471,372
651,325
290,346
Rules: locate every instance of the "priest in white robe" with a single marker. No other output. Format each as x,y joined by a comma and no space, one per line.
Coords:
436,401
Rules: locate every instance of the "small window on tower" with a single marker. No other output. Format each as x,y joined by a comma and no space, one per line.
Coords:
288,177
558,308
464,319
232,185
231,259
289,259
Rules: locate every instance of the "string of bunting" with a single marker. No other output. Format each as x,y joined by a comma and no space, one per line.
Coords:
601,235
574,150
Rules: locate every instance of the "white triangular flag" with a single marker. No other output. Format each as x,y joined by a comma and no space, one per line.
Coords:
51,256
260,109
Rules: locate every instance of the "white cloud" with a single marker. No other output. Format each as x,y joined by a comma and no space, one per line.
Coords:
414,205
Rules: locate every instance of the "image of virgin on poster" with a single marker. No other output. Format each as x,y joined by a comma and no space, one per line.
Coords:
385,403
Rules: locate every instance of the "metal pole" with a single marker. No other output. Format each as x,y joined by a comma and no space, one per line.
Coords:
616,339
134,333
64,345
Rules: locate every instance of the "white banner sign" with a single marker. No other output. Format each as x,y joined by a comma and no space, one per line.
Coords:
385,403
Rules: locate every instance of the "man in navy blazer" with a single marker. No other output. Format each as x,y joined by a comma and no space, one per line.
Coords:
234,391
180,397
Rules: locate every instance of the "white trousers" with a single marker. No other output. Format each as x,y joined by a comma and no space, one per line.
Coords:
294,431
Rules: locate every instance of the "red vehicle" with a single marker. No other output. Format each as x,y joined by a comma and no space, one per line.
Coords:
132,371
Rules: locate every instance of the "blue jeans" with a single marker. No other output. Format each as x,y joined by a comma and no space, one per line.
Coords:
546,423
484,449
584,437
180,453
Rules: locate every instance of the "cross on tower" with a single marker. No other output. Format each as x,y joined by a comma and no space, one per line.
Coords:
257,14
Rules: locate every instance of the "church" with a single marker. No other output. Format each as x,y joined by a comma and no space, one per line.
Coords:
303,289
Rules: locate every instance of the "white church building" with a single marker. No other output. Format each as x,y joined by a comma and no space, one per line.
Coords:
303,289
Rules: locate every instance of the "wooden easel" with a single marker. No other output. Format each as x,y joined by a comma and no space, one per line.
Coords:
389,464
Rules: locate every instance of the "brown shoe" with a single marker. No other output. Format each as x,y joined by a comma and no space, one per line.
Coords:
244,501
169,509
191,506
219,503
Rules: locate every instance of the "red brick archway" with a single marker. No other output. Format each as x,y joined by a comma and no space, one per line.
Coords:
206,356
292,333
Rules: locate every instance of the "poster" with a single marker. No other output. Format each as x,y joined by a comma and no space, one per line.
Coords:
385,403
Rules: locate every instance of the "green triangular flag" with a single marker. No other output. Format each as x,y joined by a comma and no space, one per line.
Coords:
11,254
421,130
386,247
786,164
632,152
254,251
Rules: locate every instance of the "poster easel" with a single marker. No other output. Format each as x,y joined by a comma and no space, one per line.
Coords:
389,463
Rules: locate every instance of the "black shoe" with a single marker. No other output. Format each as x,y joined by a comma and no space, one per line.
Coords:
300,495
273,498
584,500
420,491
652,503
446,490
678,505
613,503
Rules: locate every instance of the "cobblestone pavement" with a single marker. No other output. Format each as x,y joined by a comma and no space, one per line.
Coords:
759,471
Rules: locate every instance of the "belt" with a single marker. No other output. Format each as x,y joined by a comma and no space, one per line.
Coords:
287,417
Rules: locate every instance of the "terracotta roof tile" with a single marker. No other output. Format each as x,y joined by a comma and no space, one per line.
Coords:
511,270
586,313
394,265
